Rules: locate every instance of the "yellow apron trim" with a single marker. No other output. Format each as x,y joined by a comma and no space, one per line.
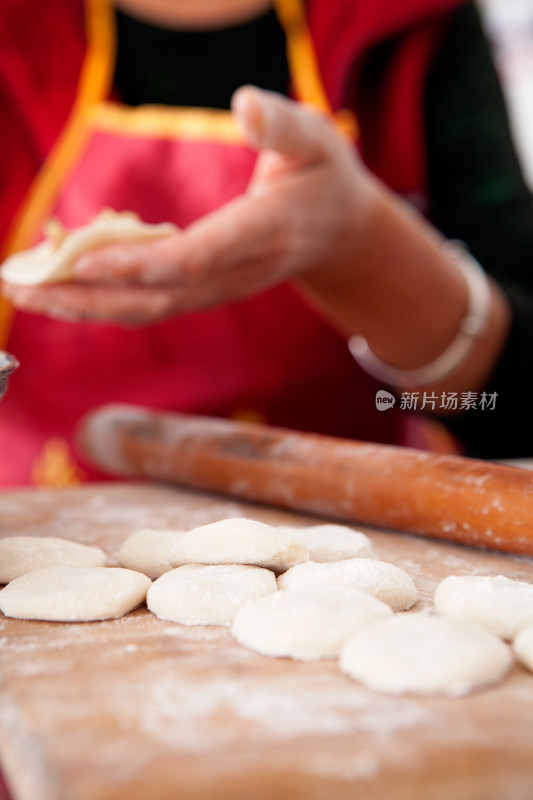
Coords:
6,320
165,122
95,78
94,82
303,64
53,468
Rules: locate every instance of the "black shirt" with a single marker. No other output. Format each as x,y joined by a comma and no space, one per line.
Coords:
200,68
478,194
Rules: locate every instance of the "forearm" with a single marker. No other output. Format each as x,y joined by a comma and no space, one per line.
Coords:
404,294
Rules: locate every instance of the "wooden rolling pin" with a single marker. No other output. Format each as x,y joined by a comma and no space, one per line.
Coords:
448,497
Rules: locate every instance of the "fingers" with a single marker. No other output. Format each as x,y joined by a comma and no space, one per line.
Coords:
133,304
216,246
149,262
271,121
78,302
172,261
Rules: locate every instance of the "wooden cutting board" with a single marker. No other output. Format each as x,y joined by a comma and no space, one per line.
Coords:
139,708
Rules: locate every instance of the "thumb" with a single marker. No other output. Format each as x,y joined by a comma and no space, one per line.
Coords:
273,122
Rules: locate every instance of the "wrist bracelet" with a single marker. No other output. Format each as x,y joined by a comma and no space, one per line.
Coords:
472,326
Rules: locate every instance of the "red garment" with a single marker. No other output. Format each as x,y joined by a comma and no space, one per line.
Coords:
271,356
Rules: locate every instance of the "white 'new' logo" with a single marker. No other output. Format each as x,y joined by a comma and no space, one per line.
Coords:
384,400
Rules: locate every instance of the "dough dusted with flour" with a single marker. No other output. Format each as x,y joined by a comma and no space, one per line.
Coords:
148,551
331,542
379,578
523,647
420,654
74,594
21,554
306,624
52,260
197,594
500,605
238,541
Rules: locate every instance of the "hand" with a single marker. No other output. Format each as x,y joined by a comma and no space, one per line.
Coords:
304,213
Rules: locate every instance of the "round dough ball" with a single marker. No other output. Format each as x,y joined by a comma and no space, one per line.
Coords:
379,578
208,595
148,551
21,554
331,542
306,624
74,594
419,654
500,605
523,647
238,541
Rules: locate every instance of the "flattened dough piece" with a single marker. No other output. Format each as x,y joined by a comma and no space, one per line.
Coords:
74,594
148,551
208,595
523,647
420,654
52,260
238,541
500,605
331,542
306,624
21,554
378,578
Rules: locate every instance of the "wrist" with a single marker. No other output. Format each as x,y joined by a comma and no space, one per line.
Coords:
405,296
472,327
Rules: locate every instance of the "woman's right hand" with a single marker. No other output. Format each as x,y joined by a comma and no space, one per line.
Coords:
303,215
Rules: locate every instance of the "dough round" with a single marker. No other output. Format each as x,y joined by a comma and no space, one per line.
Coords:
148,551
501,605
306,624
419,654
21,554
379,578
74,594
238,541
208,595
52,260
523,647
331,542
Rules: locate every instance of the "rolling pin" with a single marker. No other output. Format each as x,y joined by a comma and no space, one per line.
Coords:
448,497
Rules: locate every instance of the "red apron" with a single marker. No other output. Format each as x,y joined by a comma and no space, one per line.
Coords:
269,358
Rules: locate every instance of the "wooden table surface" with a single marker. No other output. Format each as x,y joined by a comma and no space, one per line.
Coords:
139,708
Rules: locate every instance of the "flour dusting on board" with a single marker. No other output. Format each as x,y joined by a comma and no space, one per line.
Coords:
109,513
138,707
198,715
